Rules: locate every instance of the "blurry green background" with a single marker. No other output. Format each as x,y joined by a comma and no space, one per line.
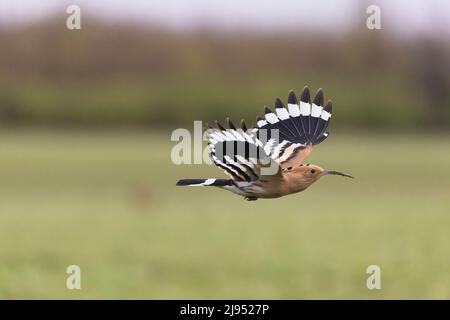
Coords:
86,176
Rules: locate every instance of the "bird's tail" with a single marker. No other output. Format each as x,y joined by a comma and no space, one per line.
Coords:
204,182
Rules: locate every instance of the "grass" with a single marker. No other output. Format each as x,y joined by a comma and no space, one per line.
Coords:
107,202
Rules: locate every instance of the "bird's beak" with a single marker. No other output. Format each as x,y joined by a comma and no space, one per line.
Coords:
337,173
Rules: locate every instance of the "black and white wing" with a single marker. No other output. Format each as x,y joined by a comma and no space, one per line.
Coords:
240,154
299,126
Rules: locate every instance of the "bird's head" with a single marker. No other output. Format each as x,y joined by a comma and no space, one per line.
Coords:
309,173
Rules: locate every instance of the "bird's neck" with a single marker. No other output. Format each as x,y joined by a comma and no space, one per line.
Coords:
294,183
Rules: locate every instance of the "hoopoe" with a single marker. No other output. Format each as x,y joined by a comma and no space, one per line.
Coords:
282,140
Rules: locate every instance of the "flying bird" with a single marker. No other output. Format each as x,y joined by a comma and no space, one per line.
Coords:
267,161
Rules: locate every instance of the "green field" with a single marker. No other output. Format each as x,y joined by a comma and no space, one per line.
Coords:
107,202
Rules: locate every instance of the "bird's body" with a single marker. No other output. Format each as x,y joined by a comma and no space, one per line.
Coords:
267,161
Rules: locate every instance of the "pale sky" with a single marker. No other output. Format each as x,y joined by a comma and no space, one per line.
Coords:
407,17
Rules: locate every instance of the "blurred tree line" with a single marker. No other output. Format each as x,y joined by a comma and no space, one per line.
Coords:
147,76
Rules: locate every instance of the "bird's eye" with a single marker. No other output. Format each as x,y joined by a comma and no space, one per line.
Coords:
313,171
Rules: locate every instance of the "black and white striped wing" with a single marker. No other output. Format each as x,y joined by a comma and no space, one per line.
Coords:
298,126
239,153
